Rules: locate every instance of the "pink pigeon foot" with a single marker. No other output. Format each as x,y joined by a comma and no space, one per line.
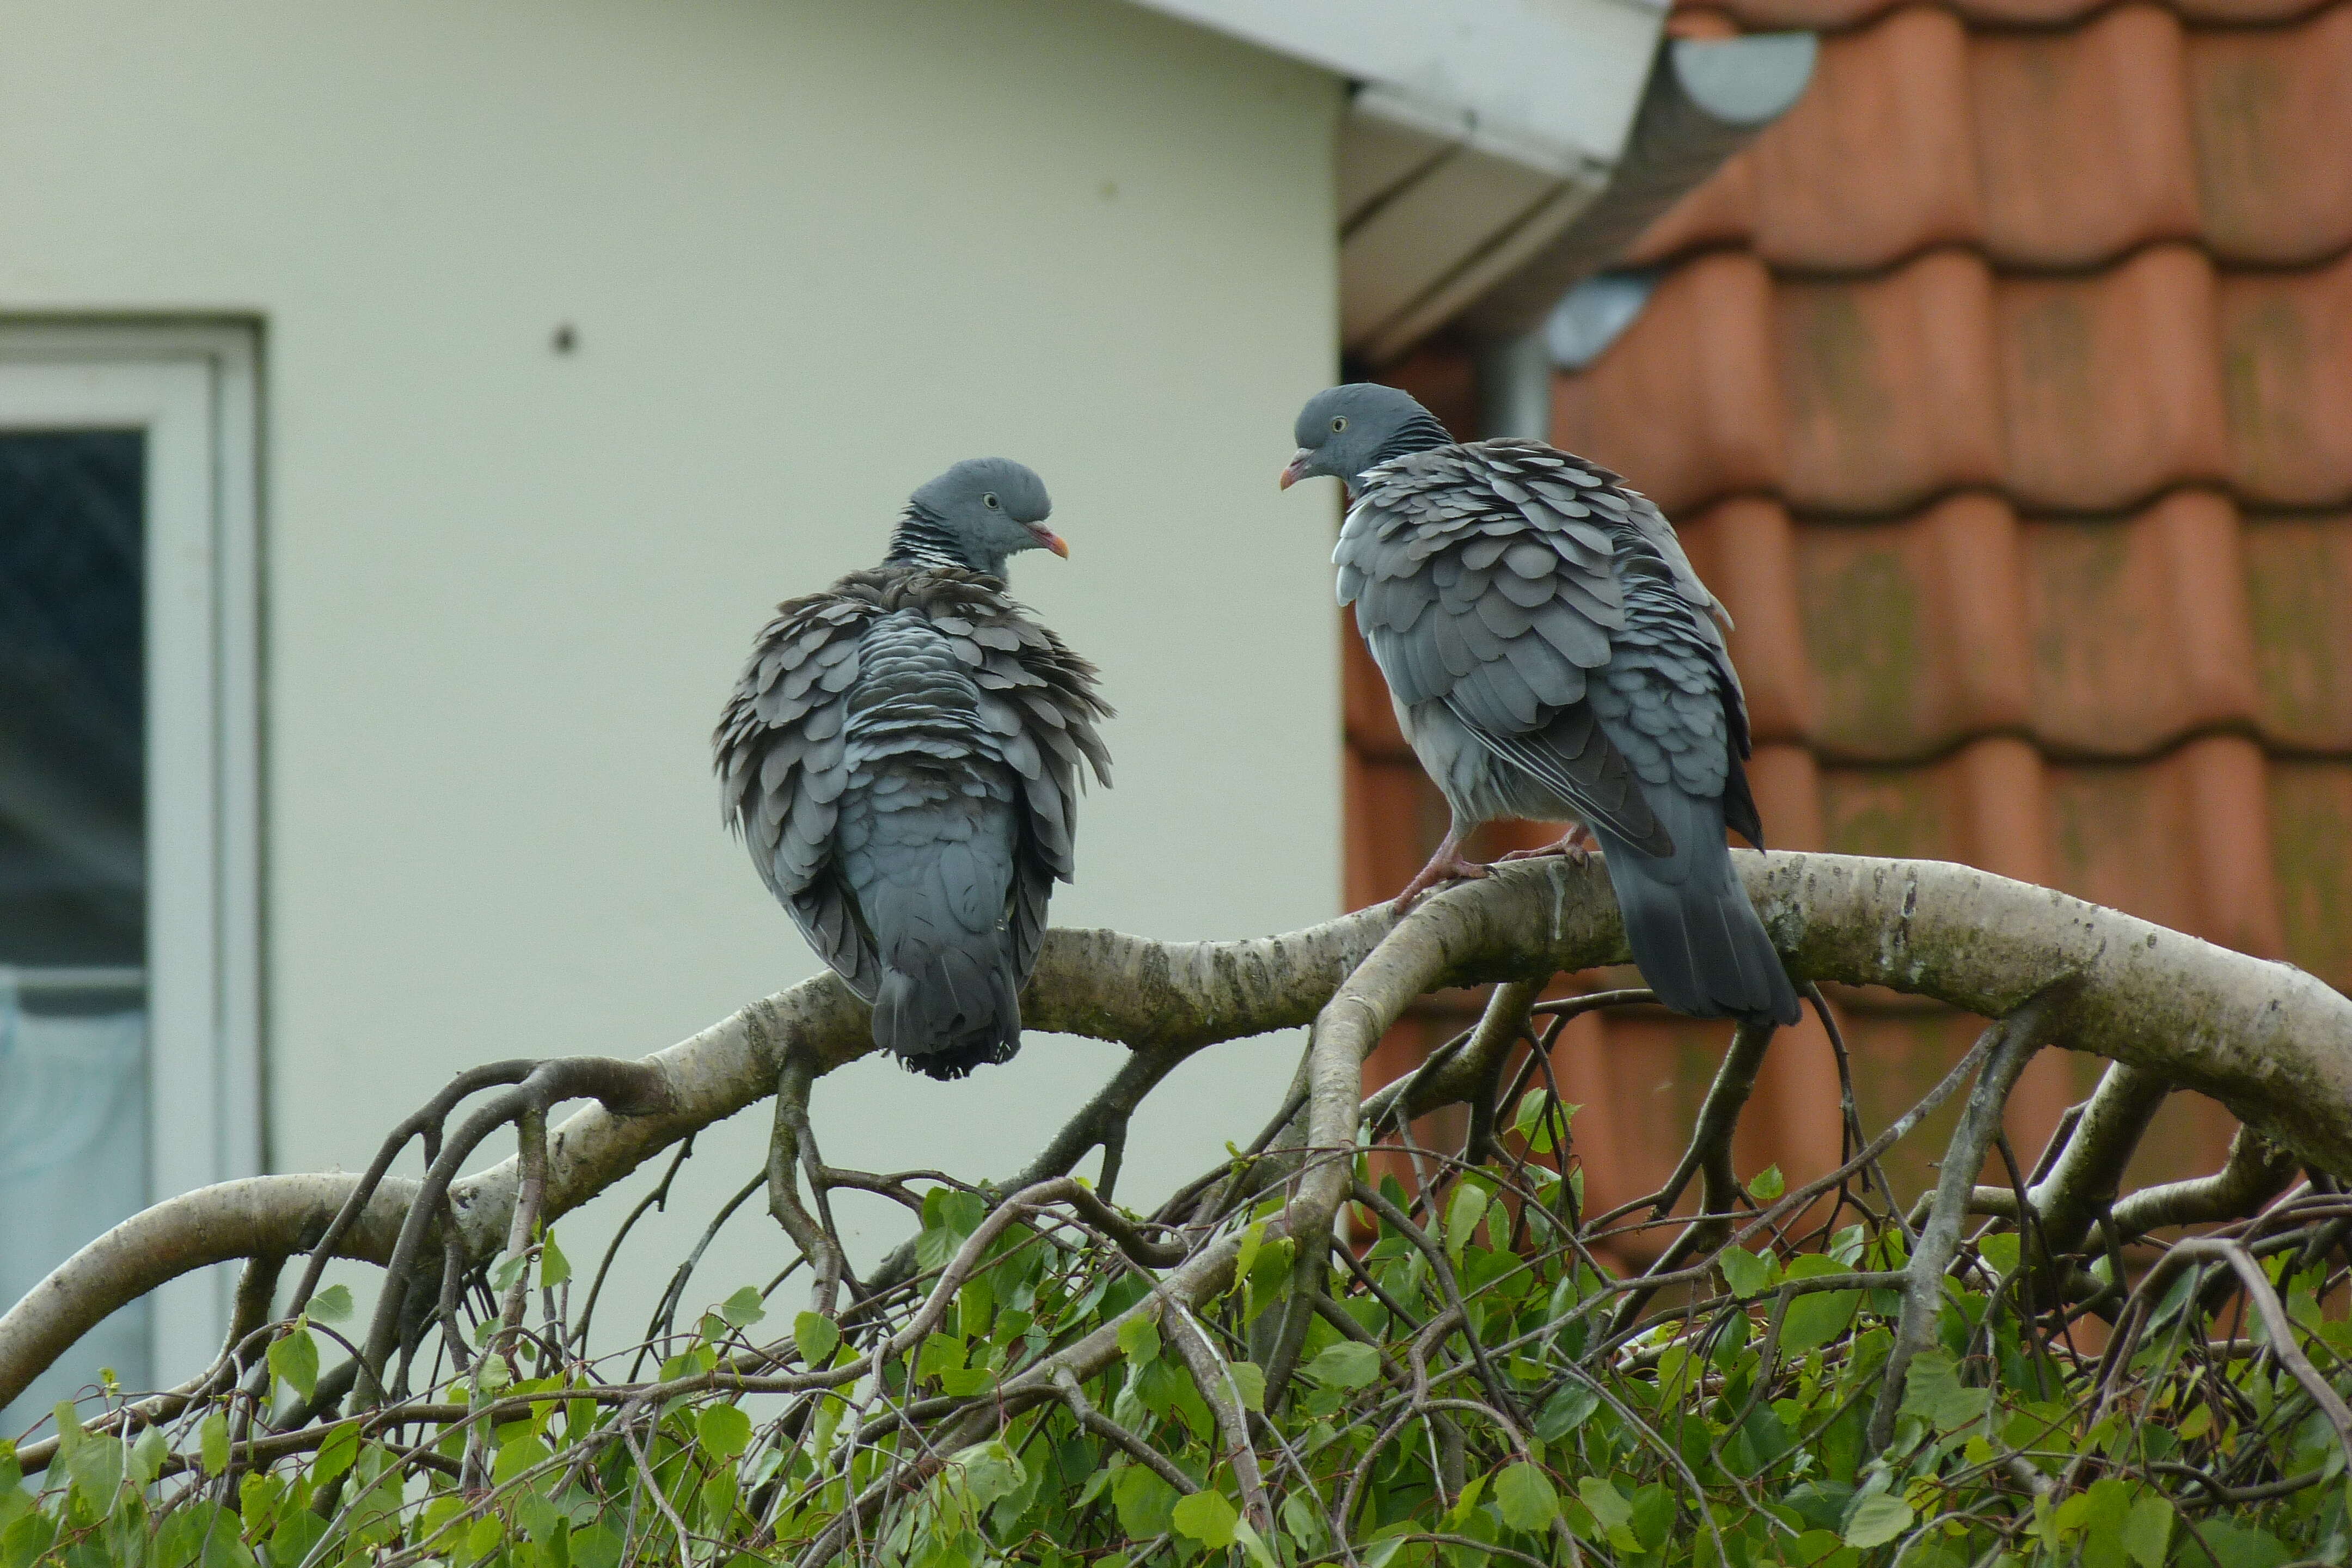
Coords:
1446,866
1575,843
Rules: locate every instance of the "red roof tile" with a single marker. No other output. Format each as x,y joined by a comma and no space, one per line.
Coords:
1916,629
2311,839
1890,385
1866,167
2271,113
2287,382
2298,584
2110,384
2138,628
1703,346
2111,91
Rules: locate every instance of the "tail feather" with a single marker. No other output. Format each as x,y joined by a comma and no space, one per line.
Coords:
1694,933
958,1007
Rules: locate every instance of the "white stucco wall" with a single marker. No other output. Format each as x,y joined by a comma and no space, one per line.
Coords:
812,253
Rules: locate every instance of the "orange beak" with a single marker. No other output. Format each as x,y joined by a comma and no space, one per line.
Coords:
1298,469
1050,539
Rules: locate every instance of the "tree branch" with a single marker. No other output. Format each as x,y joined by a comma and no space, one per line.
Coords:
2271,1042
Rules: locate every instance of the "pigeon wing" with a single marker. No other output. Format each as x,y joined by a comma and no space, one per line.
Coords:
1484,577
778,751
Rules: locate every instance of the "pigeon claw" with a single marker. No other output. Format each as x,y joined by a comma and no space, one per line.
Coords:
1447,865
1575,846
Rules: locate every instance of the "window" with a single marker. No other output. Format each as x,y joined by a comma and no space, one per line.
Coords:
129,892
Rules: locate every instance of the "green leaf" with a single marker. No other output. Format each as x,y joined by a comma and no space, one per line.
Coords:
1524,1495
1932,1391
331,1305
2237,1545
492,1373
482,1537
1269,1276
1813,1320
518,1455
147,1456
2148,1531
337,1452
1254,1546
1249,1381
934,1245
991,1471
1999,1251
1877,1519
1462,1217
295,1359
940,1352
1246,1258
1747,1274
1143,1502
1347,1364
1767,1184
965,1381
211,1443
1613,1508
96,1471
1653,1515
722,1431
817,1336
1207,1517
1565,1411
743,1308
554,1268
1138,1341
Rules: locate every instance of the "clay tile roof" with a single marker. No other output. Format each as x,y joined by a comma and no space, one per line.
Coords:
2003,391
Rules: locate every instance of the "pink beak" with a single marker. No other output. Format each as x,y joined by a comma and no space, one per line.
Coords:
1298,469
1050,539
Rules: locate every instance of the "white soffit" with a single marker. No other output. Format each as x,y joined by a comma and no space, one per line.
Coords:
1478,131
1550,83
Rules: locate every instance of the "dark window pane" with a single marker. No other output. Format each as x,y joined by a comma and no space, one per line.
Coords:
72,844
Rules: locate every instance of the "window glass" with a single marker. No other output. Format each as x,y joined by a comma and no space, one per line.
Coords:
73,878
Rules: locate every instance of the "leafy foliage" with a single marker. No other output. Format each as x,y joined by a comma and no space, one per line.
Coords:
1484,1380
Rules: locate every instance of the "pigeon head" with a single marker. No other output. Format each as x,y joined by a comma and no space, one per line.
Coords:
1344,430
976,515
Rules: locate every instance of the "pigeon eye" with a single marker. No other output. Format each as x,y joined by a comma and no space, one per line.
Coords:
989,500
1338,424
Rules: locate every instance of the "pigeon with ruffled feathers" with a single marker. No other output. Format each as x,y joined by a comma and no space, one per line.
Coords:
1552,655
902,757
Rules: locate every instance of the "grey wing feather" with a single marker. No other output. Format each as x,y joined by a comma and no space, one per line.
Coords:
1500,609
781,769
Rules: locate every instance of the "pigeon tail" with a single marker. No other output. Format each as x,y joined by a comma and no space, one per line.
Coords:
1695,935
958,1008
931,859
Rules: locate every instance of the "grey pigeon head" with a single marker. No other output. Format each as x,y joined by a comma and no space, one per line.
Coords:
1344,430
975,515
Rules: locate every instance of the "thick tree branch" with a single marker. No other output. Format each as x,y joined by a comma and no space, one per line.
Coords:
2270,1042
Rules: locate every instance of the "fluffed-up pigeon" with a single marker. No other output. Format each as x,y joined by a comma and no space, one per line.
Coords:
1552,655
902,758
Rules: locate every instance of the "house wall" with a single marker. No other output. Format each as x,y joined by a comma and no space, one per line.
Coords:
811,254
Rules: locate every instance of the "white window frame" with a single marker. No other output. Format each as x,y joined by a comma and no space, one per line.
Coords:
193,390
